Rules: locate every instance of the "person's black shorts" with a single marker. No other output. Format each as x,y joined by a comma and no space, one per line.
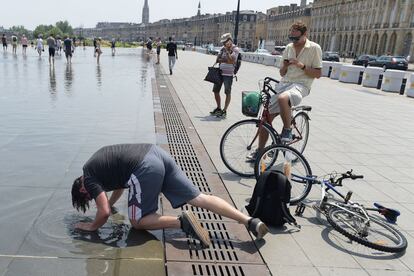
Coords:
4,44
51,52
228,82
24,46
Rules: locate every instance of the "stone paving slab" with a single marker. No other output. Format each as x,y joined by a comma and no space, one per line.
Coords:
351,127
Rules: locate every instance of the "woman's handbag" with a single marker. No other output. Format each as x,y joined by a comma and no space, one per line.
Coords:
214,75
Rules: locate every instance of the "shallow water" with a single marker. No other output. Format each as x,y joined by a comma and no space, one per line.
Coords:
52,118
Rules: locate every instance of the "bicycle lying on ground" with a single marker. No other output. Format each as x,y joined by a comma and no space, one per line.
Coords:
239,142
351,218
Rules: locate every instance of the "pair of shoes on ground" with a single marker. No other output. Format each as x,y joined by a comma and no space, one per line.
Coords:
192,227
219,113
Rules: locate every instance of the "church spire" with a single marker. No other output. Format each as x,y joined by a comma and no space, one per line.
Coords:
145,13
199,9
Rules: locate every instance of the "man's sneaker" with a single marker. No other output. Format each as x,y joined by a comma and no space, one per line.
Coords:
257,227
215,111
251,158
286,135
170,71
221,114
191,226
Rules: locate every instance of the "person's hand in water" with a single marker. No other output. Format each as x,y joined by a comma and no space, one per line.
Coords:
85,226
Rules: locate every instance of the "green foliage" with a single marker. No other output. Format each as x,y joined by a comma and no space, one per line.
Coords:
42,30
55,31
19,30
65,27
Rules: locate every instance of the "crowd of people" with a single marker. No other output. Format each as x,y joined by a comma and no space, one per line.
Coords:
55,45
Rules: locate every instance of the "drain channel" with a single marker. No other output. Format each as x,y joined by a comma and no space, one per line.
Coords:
232,252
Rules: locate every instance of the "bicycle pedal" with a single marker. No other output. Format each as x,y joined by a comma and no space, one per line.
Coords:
300,209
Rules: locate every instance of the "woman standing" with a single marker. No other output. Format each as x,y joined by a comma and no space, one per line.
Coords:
24,44
158,45
98,49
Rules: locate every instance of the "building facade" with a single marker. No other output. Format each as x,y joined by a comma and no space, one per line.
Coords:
279,20
354,27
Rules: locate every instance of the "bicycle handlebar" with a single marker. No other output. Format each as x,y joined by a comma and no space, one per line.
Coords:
267,86
346,175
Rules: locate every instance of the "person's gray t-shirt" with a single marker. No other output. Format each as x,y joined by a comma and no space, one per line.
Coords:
51,42
111,167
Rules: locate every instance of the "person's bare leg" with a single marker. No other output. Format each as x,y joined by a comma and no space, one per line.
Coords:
263,135
218,99
155,221
220,207
285,110
227,101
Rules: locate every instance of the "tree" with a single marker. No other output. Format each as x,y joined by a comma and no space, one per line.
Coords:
42,30
65,27
19,30
55,31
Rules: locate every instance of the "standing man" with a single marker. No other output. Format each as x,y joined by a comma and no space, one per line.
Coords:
301,64
146,171
4,42
67,43
227,59
14,44
24,42
59,45
51,43
172,54
113,42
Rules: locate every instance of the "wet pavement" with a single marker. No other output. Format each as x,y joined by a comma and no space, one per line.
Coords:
51,120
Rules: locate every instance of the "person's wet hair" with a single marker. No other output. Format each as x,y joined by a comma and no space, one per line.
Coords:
80,201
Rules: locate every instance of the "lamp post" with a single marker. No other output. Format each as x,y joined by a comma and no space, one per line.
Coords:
236,28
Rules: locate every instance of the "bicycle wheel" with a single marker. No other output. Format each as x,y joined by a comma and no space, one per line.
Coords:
375,234
290,162
239,141
300,129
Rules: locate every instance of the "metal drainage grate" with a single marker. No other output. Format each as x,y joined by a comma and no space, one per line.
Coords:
232,252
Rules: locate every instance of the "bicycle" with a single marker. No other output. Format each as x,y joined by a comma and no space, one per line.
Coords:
351,219
237,143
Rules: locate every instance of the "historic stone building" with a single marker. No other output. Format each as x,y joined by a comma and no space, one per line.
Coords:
207,28
279,20
353,27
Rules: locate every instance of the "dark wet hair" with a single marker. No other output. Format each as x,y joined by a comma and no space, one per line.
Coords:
79,200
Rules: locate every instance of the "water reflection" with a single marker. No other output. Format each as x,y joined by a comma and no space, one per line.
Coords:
68,77
99,75
52,82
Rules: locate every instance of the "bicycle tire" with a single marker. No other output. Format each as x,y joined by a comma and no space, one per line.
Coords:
299,168
234,146
301,120
387,229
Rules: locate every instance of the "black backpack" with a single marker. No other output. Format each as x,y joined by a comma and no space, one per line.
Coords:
270,199
238,63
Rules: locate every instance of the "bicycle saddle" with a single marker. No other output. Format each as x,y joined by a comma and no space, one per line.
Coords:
302,107
389,214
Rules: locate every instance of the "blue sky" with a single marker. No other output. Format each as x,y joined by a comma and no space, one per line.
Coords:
88,12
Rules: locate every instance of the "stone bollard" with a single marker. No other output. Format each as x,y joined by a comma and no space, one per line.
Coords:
269,60
410,88
351,74
326,68
373,77
394,81
336,69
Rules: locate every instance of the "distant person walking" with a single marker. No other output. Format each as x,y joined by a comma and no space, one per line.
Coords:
67,43
94,47
59,45
98,49
24,42
149,45
51,43
227,59
14,44
39,45
113,42
4,41
172,54
158,45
